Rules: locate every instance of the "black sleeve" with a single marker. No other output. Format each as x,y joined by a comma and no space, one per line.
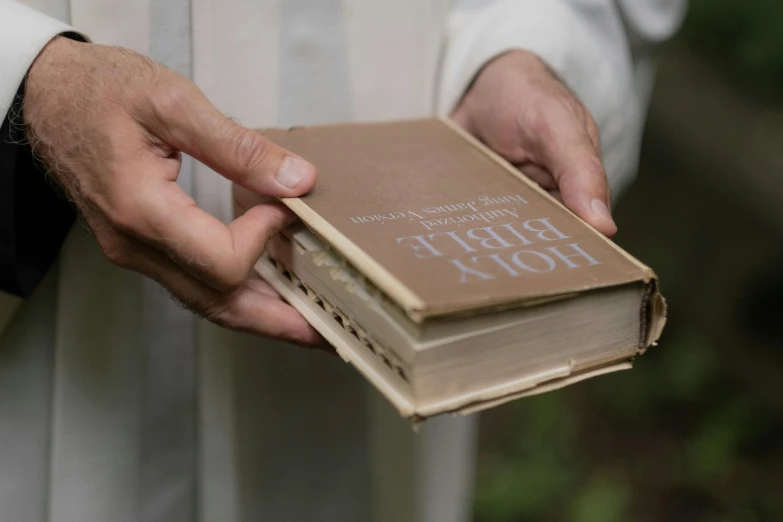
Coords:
34,216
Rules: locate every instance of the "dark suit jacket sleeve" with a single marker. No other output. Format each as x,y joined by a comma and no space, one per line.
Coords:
34,215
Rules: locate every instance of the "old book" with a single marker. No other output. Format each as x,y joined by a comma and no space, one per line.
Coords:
446,277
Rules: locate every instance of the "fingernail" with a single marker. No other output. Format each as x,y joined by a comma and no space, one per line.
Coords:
602,212
292,171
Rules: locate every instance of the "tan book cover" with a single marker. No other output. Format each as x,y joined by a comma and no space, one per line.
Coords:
440,223
443,228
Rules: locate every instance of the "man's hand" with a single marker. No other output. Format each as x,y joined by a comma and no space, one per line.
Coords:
111,126
519,108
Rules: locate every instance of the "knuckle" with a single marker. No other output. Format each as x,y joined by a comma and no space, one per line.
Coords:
594,131
169,97
592,166
115,251
502,132
218,312
116,257
231,278
211,311
129,207
123,215
250,149
537,120
583,167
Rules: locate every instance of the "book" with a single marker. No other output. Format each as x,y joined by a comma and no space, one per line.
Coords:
451,281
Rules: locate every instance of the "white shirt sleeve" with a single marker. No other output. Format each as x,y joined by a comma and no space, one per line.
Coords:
23,33
596,46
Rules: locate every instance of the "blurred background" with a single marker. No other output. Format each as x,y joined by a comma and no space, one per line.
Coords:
695,431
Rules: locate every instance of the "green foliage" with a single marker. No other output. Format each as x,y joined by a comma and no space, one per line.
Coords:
542,439
676,432
712,451
690,365
745,36
605,497
520,488
695,430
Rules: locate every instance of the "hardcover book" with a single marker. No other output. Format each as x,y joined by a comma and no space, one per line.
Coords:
445,276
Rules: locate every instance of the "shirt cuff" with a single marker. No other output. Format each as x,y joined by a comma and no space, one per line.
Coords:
23,33
34,216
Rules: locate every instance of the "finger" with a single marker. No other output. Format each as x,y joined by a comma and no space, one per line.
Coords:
568,153
249,308
182,116
164,216
540,175
259,285
245,199
592,132
251,231
461,116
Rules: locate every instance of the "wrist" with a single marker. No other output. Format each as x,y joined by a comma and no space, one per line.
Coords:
44,72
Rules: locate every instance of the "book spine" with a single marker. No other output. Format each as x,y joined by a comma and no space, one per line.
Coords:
652,316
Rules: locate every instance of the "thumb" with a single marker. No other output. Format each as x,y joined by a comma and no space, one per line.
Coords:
581,180
567,151
185,119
